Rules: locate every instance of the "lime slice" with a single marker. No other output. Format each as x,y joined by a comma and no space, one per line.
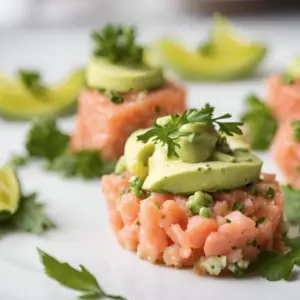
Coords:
19,103
294,67
9,192
230,55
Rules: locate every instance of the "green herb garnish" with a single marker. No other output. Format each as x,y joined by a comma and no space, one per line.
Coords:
296,130
259,119
287,79
206,49
270,193
136,183
291,204
238,206
19,160
259,221
79,280
115,98
45,140
117,44
30,217
228,221
234,248
86,164
32,80
168,134
157,109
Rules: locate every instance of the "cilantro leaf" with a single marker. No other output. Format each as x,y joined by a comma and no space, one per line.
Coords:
31,216
238,206
136,183
80,280
169,132
118,44
291,204
86,164
260,123
32,80
115,97
45,140
296,130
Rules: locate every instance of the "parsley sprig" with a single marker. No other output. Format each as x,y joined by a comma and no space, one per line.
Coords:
80,280
32,80
118,44
168,134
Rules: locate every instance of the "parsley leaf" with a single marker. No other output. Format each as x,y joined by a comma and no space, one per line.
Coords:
260,122
118,44
31,216
86,164
287,79
32,80
270,193
238,206
45,140
80,280
296,130
169,132
291,204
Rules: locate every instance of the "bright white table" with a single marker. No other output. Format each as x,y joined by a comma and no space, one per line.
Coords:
78,208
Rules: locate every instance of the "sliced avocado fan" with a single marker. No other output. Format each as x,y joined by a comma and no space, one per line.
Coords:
17,102
225,56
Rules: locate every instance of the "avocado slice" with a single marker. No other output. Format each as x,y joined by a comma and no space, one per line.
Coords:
122,78
19,103
230,56
137,154
177,177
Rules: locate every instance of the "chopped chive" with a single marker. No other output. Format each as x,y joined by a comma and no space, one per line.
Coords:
238,206
260,221
270,193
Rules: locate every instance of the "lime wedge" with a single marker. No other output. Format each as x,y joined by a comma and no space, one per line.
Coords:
294,67
19,103
227,55
9,192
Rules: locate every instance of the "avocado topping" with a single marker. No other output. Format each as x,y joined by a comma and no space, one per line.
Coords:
191,154
117,64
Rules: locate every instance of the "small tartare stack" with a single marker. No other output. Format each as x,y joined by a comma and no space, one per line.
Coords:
183,195
124,94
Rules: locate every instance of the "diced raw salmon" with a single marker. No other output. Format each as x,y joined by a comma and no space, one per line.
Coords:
161,228
104,125
286,152
284,99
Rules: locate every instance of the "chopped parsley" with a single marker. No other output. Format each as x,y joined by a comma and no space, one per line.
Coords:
157,205
228,221
238,206
253,243
136,183
115,97
287,79
296,130
168,134
234,248
270,193
157,109
259,221
259,118
117,44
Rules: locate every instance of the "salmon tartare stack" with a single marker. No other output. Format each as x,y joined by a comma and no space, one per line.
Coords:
183,195
123,94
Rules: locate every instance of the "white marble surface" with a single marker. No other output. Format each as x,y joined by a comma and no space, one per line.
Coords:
83,235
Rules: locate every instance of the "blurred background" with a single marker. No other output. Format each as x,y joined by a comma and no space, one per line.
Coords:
79,13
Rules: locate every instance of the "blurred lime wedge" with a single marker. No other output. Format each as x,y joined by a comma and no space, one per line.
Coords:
226,55
19,103
9,193
294,67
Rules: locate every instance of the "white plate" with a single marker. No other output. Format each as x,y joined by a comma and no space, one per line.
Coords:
83,235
